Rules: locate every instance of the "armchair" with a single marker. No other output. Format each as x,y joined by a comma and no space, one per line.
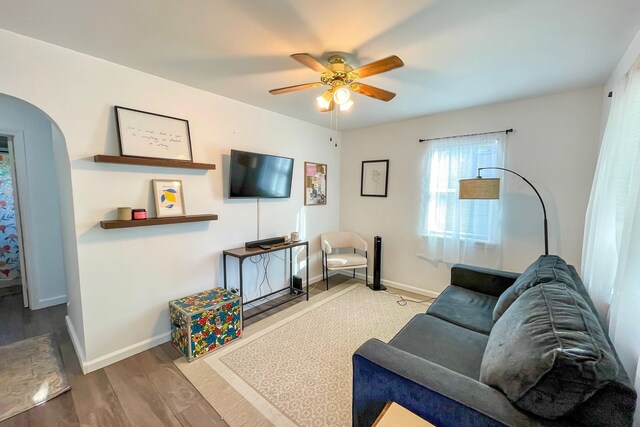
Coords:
332,260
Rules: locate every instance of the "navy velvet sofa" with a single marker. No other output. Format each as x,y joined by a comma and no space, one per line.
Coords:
432,366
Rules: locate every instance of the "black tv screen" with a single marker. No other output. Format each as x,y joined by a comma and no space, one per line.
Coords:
259,175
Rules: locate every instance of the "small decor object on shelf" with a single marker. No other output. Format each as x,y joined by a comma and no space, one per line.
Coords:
205,321
168,197
139,214
124,214
155,136
295,236
315,183
374,178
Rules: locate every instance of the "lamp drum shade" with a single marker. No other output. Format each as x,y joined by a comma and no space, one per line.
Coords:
479,188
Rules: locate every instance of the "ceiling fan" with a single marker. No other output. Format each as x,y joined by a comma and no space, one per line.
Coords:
341,77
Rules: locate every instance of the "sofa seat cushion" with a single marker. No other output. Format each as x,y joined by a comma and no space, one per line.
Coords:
466,308
443,343
547,268
548,353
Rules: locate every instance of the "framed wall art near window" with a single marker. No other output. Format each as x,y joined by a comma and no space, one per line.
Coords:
150,135
374,178
168,197
315,184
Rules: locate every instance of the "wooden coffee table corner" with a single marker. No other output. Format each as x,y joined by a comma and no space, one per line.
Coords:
394,415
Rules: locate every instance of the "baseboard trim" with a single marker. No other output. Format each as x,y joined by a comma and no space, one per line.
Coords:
76,342
49,302
397,285
123,353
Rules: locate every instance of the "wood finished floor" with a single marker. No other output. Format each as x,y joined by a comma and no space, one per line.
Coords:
143,390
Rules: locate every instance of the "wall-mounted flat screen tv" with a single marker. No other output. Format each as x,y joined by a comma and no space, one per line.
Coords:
258,175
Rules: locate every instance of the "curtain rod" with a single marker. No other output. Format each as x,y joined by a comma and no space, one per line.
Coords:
469,134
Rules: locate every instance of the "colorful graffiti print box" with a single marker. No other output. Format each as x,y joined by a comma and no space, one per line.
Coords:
205,321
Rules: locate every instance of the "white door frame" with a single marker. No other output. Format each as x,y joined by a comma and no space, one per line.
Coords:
18,155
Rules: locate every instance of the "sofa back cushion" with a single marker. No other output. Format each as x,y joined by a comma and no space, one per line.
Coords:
546,268
548,353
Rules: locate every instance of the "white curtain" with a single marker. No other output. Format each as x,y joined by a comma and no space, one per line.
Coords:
460,231
611,254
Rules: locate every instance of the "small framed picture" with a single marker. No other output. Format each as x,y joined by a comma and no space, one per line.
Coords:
151,135
168,197
374,178
315,184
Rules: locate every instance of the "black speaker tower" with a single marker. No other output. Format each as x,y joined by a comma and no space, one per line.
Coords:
377,261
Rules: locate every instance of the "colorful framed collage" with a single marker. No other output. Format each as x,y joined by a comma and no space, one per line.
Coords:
315,184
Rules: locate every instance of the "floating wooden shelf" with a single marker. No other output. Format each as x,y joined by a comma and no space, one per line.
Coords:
108,225
142,161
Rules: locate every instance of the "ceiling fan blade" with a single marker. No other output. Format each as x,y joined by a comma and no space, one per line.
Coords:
381,66
373,92
311,62
332,105
294,88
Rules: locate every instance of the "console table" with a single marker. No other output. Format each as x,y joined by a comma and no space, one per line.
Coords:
243,253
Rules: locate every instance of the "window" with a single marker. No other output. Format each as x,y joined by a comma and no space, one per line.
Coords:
448,224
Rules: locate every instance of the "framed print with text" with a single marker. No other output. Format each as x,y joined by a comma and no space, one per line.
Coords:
153,136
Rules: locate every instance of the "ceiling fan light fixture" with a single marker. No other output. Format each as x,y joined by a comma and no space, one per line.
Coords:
347,105
341,95
341,78
324,101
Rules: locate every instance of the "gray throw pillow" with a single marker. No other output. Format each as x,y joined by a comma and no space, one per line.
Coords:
545,269
548,352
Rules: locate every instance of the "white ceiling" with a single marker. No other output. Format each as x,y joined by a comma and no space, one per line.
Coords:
457,53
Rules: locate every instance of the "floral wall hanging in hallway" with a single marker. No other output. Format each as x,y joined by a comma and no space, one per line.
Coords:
9,249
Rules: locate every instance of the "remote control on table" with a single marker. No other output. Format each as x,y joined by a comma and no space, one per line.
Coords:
265,247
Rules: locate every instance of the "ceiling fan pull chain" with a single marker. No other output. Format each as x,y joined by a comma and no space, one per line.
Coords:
331,120
337,113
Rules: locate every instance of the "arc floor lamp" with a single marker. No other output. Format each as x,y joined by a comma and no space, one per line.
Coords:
489,188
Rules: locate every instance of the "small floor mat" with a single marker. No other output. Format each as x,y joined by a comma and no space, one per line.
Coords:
31,372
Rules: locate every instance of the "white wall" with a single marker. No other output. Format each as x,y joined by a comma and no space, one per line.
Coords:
68,231
554,145
127,276
630,56
38,198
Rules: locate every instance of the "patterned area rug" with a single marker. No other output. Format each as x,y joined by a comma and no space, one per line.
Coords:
31,372
298,370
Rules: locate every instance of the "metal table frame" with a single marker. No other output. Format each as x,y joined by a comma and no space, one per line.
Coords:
243,253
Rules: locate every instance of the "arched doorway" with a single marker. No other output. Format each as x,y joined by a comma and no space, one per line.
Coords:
34,176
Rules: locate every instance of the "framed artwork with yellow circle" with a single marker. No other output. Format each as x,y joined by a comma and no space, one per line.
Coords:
168,197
